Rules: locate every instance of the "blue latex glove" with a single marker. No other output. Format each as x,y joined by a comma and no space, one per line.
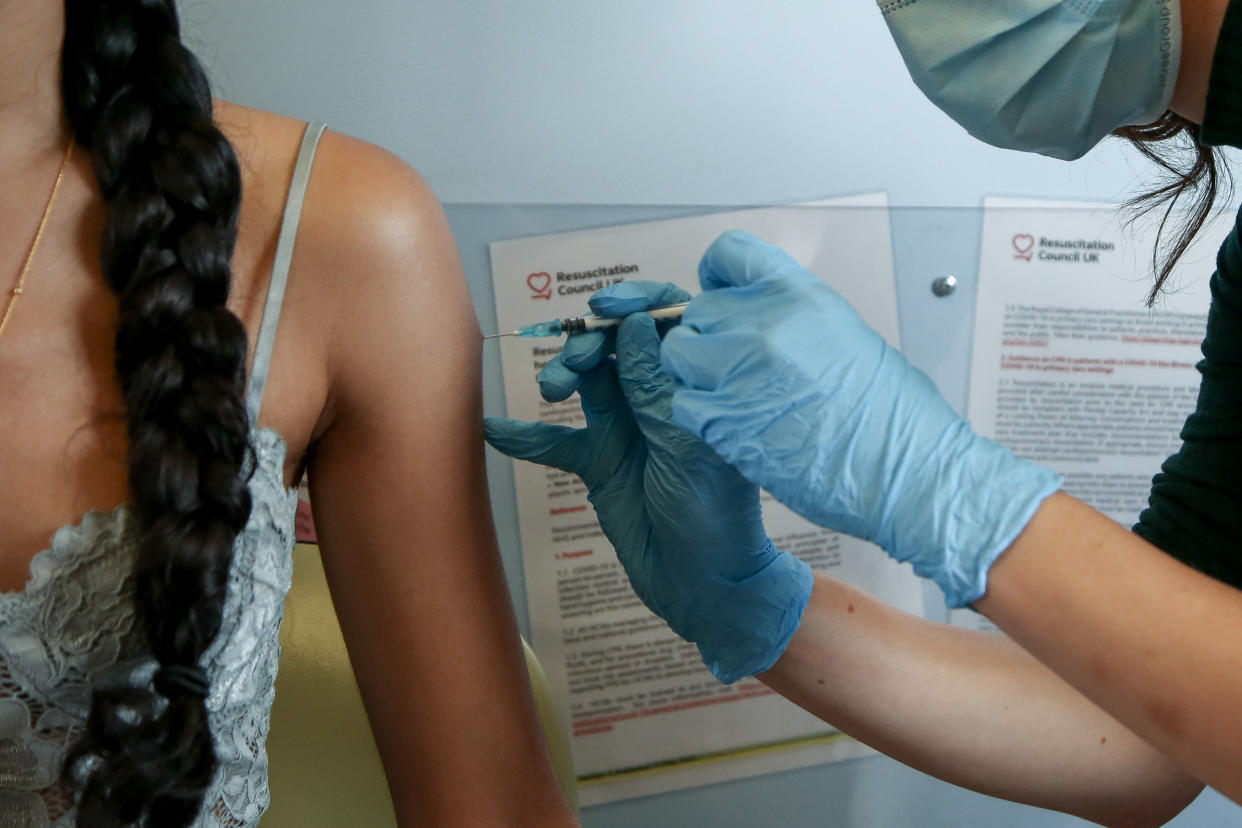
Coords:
779,374
686,526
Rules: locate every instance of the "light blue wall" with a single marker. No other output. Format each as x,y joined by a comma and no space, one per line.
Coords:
654,104
623,102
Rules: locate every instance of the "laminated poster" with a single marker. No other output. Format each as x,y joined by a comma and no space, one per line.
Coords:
644,714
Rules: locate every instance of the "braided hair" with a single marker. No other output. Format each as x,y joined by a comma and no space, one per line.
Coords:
139,101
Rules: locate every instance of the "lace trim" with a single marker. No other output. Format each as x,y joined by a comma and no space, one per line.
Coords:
73,625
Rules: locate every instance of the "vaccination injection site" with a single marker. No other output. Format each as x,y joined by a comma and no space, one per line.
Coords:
575,415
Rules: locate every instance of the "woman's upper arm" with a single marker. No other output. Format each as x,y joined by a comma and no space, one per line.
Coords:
401,505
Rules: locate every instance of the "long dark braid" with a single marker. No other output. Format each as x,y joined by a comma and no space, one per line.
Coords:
141,104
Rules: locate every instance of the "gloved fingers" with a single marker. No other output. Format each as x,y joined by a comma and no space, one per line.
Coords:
704,361
558,446
561,377
583,351
726,424
737,259
697,411
558,382
721,309
647,389
601,396
625,298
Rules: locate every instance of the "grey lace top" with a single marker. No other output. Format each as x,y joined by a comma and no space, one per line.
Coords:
72,627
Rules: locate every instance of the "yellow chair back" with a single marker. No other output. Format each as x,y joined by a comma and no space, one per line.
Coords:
324,767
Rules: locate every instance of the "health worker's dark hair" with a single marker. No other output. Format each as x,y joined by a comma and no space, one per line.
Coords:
1193,175
140,103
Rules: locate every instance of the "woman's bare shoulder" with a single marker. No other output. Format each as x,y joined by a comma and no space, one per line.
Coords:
374,262
366,209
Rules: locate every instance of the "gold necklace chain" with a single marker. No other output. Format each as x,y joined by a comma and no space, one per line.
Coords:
34,245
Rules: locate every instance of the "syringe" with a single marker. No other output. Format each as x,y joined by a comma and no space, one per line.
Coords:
581,324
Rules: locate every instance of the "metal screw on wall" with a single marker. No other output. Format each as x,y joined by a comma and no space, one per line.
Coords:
944,285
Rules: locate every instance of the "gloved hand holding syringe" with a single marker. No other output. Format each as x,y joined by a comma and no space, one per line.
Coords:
590,322
561,377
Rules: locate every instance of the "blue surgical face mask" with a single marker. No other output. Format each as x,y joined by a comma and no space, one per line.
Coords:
1046,76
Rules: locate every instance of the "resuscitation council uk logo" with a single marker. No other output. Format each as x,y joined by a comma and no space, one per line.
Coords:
540,285
565,283
1066,251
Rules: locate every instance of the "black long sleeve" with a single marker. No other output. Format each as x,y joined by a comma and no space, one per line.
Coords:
1195,509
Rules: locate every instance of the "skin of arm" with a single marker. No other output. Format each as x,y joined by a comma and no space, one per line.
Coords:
1201,22
973,709
402,510
1145,637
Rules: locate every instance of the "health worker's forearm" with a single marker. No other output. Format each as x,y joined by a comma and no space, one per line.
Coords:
1150,640
970,708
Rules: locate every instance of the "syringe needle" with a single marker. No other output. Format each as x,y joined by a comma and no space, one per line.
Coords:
497,336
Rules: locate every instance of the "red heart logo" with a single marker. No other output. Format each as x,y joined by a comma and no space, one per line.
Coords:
540,285
1024,243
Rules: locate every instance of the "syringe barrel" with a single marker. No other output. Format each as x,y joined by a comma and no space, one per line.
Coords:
580,324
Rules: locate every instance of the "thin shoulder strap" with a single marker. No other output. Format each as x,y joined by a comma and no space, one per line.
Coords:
280,270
